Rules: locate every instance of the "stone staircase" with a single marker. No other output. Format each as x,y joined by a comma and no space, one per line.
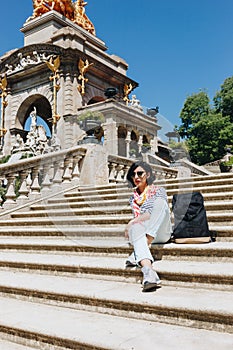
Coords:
63,283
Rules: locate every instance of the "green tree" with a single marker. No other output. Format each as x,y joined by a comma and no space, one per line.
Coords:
209,138
223,99
195,107
207,130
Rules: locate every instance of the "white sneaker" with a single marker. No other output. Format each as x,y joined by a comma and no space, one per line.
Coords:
131,262
151,280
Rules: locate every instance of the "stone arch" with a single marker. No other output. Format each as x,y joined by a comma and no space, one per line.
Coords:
92,94
146,143
145,139
43,108
122,134
95,99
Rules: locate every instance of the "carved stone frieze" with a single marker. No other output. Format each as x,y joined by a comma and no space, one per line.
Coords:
27,57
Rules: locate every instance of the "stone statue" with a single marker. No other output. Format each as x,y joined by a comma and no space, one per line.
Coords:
135,103
18,145
36,138
33,116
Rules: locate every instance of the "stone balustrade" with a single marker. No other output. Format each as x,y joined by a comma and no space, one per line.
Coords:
27,178
119,166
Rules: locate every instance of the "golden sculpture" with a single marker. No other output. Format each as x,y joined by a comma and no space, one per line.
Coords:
81,18
127,90
41,6
83,68
53,64
3,95
65,7
75,11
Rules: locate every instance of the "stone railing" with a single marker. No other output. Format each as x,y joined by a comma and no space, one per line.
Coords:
194,168
28,178
33,178
119,166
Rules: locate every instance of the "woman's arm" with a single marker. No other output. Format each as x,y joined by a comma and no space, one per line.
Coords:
138,219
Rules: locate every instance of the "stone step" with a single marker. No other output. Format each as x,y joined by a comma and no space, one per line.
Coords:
224,232
83,193
207,182
11,345
72,211
65,210
215,251
204,309
100,230
93,197
64,204
124,196
197,178
220,209
176,272
170,183
221,205
71,220
47,325
122,192
225,218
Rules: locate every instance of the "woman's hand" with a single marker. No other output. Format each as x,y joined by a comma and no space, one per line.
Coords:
139,219
130,223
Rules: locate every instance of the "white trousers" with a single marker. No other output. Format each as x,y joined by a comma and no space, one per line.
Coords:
158,226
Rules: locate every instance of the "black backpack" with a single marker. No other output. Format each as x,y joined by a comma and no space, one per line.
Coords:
190,221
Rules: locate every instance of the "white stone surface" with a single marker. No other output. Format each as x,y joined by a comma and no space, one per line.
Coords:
110,332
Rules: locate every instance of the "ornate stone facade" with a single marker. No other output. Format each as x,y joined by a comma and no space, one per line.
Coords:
60,97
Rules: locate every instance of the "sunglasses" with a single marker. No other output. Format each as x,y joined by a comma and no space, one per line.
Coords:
138,173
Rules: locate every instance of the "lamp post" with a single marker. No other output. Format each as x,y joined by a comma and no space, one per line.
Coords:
4,103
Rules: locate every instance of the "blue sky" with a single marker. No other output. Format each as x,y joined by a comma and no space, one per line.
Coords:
173,47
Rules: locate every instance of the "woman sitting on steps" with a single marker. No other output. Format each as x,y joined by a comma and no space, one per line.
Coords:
151,222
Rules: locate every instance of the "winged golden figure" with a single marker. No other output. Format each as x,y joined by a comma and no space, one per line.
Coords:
3,83
53,63
127,90
83,66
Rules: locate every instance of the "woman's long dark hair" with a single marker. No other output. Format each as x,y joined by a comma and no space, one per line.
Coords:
147,169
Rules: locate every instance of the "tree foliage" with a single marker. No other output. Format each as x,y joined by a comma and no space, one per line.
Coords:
195,107
207,131
223,99
209,138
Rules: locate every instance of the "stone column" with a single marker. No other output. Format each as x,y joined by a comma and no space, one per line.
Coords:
94,171
140,143
127,141
154,145
110,137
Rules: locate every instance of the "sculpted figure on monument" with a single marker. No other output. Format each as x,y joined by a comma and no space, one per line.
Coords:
75,11
65,7
41,6
81,18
